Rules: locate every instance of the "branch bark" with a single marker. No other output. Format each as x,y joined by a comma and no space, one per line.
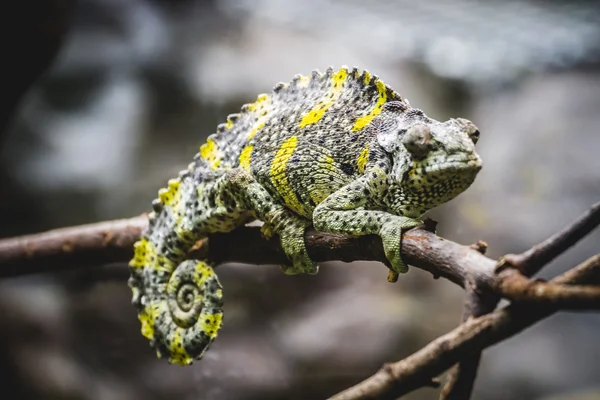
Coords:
108,242
469,339
514,286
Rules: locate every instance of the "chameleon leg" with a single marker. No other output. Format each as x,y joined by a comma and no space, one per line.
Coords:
250,195
346,211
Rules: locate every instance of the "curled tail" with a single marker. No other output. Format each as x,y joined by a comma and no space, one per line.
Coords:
179,302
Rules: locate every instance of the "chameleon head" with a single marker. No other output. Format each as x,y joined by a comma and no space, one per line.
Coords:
433,161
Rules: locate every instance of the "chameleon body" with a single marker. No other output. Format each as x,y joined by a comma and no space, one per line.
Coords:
338,149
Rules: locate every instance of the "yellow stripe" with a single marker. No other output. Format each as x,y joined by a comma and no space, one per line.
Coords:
366,119
245,157
279,177
178,353
363,158
209,152
329,99
258,126
318,193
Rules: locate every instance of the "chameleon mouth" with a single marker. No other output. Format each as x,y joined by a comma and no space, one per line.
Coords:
441,170
456,164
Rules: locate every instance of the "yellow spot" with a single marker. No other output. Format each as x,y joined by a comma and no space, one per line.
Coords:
145,254
139,253
209,152
229,124
366,119
178,353
363,158
169,195
315,115
201,273
147,317
211,324
259,103
245,157
279,178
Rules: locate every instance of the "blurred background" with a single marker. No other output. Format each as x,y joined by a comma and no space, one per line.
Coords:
138,85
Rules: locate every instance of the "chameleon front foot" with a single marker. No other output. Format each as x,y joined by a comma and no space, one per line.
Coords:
391,238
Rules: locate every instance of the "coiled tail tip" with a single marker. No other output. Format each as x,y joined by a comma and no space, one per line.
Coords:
181,316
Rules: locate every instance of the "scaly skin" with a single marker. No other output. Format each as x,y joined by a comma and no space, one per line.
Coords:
340,150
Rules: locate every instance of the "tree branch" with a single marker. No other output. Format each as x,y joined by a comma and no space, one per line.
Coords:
108,242
469,339
516,287
67,248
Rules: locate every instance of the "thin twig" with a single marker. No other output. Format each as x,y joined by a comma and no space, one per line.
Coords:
467,340
518,288
532,260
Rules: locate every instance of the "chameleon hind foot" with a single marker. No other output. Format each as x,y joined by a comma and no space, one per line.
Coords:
294,246
291,238
277,219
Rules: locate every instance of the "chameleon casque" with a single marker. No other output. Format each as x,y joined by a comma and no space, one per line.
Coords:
339,149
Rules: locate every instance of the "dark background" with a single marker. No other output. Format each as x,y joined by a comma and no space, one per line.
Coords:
138,84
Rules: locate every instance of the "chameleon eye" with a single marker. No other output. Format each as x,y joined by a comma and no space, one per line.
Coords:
474,136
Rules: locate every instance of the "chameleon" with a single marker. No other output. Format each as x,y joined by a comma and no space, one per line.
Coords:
338,150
